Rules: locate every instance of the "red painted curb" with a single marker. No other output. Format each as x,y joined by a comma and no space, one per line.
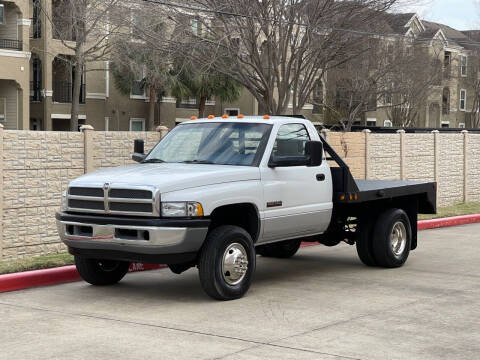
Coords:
445,222
29,279
64,274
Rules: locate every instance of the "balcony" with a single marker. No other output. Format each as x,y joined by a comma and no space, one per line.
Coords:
63,92
11,44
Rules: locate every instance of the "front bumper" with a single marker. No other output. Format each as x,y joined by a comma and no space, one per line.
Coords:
130,238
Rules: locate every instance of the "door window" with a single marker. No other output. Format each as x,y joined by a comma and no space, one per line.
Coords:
290,141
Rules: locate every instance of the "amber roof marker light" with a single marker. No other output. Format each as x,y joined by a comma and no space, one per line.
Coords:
266,117
211,117
224,116
193,118
240,116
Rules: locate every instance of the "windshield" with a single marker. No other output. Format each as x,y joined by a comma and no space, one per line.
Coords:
213,143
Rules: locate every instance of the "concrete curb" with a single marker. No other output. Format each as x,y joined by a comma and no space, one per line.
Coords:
65,274
446,222
60,275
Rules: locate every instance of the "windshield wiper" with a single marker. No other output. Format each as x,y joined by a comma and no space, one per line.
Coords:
153,161
198,162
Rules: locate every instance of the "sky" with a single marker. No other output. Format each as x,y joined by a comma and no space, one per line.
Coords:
459,14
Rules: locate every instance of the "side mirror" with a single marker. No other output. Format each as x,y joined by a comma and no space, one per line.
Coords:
314,152
139,150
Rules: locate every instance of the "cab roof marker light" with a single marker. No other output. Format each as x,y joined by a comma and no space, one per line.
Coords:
240,116
211,117
266,117
225,116
193,118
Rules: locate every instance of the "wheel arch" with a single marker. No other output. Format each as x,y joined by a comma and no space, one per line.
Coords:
244,215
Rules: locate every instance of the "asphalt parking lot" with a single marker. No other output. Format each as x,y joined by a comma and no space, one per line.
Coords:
321,304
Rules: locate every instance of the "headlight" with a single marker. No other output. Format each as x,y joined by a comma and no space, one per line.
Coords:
64,204
181,209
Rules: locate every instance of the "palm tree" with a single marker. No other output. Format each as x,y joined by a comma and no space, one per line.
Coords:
203,86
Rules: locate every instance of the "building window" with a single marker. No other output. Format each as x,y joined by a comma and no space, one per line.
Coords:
232,112
195,26
371,122
137,124
445,124
2,14
463,100
387,123
461,125
138,86
3,109
446,101
463,65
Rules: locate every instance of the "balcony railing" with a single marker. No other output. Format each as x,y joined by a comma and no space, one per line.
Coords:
35,91
63,92
11,44
187,104
36,28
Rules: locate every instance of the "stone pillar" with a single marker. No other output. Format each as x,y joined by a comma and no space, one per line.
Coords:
436,155
465,165
162,130
1,191
88,134
367,150
401,132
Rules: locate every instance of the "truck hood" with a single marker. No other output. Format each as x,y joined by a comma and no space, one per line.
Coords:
168,176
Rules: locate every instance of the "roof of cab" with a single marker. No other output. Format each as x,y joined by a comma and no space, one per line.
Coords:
249,119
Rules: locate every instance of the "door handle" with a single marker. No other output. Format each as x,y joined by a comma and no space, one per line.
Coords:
320,177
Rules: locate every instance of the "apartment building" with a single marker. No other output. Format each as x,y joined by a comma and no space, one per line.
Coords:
36,83
450,100
14,64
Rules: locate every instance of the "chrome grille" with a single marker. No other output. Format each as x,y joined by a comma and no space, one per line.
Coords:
108,199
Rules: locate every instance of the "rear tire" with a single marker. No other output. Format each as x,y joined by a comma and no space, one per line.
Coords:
227,263
101,272
364,242
392,238
282,250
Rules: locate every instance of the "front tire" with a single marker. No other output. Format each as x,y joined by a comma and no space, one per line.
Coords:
282,250
101,272
392,238
227,263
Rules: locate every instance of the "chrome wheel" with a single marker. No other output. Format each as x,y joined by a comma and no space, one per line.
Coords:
234,264
398,238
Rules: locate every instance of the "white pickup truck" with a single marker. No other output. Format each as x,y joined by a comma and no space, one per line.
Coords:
215,192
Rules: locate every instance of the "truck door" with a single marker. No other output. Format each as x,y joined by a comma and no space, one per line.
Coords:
298,199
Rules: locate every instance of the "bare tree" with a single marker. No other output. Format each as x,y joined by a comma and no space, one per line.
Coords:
84,28
473,82
276,49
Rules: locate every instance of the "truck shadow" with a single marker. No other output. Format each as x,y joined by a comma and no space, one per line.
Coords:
165,286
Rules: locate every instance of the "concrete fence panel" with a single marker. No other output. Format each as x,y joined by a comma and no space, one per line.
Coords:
384,158
35,168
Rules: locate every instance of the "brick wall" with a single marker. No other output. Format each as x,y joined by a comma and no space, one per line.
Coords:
35,168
